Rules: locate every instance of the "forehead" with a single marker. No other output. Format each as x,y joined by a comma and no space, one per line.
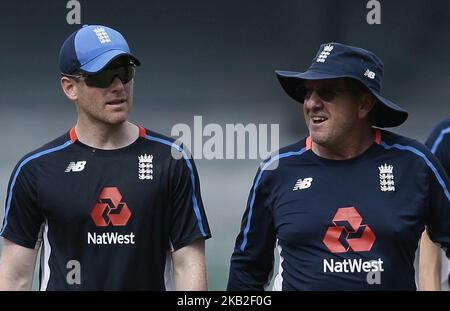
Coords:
324,83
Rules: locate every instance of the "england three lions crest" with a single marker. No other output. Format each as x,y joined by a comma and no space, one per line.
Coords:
145,170
386,177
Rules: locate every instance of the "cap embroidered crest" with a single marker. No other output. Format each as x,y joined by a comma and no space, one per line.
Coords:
102,35
326,51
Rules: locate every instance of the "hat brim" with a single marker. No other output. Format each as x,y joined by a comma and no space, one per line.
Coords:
386,113
100,62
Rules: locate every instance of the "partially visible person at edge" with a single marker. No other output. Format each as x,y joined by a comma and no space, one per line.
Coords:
434,267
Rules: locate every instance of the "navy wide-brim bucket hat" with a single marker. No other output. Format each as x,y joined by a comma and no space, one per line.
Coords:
336,60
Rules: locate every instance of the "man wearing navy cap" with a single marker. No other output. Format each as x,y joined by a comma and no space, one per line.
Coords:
107,203
346,206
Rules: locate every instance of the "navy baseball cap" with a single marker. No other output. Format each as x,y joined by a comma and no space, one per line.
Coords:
336,60
91,48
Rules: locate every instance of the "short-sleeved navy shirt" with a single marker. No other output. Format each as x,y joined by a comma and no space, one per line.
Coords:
439,144
341,225
119,213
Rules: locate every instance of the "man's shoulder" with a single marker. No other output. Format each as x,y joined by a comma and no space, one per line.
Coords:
277,157
439,134
52,146
393,140
444,124
151,135
166,144
297,147
416,149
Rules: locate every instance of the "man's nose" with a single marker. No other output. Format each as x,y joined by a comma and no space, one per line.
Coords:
313,101
117,84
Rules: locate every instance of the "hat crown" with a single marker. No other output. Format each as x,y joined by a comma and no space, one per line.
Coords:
92,41
91,48
349,61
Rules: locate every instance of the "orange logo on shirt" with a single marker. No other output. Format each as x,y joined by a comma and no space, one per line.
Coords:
110,209
363,242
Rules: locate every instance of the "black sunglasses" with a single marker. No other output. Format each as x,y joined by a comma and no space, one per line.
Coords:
325,94
105,78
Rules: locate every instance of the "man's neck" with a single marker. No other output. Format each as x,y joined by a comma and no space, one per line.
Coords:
348,148
105,136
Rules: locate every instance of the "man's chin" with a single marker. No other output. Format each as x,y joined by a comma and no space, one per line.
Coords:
319,139
116,120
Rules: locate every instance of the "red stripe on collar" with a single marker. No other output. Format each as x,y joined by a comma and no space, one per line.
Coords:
308,143
377,136
142,131
73,135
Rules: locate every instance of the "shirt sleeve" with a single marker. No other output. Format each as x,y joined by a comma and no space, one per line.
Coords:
438,213
23,219
440,146
188,217
252,259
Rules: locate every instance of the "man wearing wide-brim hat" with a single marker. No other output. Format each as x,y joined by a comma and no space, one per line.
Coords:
345,206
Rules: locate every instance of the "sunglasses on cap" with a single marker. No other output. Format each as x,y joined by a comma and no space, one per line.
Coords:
105,78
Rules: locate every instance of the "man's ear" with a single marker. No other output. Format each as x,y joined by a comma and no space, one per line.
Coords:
69,88
366,104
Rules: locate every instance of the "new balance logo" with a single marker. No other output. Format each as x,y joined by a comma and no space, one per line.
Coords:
102,35
370,74
304,183
75,166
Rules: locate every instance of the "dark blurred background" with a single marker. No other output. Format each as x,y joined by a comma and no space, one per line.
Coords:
216,59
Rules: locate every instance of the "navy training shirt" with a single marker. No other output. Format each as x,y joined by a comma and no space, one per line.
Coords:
341,224
439,143
118,213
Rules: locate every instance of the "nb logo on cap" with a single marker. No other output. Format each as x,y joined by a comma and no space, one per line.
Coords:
370,74
325,53
102,35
